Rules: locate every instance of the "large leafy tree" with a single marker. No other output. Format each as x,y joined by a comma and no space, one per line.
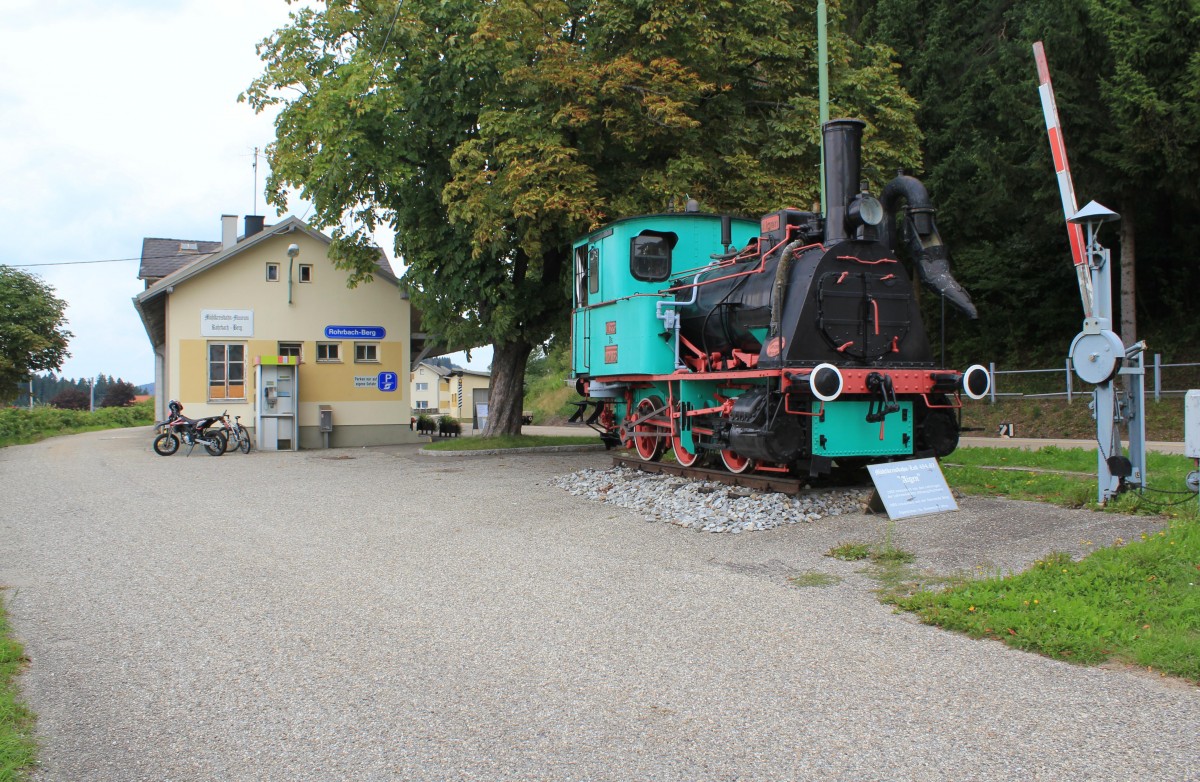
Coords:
1125,76
489,134
1148,145
32,333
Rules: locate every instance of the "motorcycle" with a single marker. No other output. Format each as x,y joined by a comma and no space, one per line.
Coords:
178,429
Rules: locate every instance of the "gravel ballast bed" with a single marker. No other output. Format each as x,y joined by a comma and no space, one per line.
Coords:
708,506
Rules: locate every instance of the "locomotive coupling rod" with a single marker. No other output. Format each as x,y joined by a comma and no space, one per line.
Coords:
627,430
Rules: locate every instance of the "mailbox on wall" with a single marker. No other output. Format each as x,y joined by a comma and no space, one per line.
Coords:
276,379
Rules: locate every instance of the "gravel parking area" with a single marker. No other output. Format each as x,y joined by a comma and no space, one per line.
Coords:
365,614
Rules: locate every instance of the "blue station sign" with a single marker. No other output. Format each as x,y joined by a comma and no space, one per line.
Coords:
354,332
387,381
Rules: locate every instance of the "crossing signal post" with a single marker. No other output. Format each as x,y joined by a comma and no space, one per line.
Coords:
1097,353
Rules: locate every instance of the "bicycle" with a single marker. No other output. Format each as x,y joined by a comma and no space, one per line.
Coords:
239,437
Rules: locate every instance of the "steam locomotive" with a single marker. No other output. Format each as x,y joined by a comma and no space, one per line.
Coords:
802,349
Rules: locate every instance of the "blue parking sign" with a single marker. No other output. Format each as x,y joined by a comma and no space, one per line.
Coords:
388,381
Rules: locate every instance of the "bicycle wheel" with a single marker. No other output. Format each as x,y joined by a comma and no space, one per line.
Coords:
243,439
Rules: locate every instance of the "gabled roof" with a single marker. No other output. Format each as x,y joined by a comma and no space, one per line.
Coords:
437,369
149,303
447,371
160,257
200,264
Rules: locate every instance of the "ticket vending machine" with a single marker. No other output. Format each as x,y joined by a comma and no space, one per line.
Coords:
276,380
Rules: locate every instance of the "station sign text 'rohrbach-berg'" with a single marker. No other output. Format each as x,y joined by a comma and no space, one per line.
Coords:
354,332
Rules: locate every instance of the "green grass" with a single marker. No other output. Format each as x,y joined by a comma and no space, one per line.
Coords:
1018,474
1056,418
1137,603
508,441
1132,602
19,426
18,750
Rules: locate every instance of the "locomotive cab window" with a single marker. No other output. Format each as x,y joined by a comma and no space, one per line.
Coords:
581,276
650,255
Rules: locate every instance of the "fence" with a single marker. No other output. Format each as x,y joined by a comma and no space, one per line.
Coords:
1036,382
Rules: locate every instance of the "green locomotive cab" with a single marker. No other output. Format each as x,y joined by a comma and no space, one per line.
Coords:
623,272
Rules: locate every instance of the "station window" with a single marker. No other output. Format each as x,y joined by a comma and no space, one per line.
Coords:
291,349
226,370
329,351
306,272
366,353
272,272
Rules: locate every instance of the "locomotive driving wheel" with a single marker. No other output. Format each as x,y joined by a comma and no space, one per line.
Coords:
736,463
683,456
650,433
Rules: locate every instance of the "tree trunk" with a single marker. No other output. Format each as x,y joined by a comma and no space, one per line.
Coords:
507,395
1128,278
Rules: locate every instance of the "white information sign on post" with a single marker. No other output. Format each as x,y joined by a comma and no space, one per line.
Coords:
912,488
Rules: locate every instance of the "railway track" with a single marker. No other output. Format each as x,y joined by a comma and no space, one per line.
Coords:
782,484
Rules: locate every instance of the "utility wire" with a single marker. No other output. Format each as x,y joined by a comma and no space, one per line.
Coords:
69,263
110,260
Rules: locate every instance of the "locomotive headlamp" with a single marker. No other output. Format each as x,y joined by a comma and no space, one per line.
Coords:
826,382
864,210
976,382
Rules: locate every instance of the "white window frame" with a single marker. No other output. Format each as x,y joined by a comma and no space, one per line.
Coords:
272,272
365,348
225,364
422,404
337,349
289,346
305,267
422,386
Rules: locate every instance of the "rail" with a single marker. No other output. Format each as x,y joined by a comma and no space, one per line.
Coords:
1072,386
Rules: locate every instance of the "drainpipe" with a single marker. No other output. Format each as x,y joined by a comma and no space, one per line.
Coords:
293,251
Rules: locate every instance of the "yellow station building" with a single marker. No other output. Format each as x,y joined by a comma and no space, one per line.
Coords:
264,326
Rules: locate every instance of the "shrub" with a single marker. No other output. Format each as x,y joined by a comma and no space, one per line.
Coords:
71,399
120,394
20,425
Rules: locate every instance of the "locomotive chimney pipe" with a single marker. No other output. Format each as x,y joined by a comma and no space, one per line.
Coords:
843,150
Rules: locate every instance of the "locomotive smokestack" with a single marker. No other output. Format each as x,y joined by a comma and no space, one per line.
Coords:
843,149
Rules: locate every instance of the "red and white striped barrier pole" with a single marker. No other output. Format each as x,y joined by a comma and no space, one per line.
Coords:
1066,188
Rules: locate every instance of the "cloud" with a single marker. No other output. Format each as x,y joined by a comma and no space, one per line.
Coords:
121,121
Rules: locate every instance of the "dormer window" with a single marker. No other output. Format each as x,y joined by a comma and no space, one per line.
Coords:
189,247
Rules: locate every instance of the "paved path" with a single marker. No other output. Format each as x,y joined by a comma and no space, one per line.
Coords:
368,615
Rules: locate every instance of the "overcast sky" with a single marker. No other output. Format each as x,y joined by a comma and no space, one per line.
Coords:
119,120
